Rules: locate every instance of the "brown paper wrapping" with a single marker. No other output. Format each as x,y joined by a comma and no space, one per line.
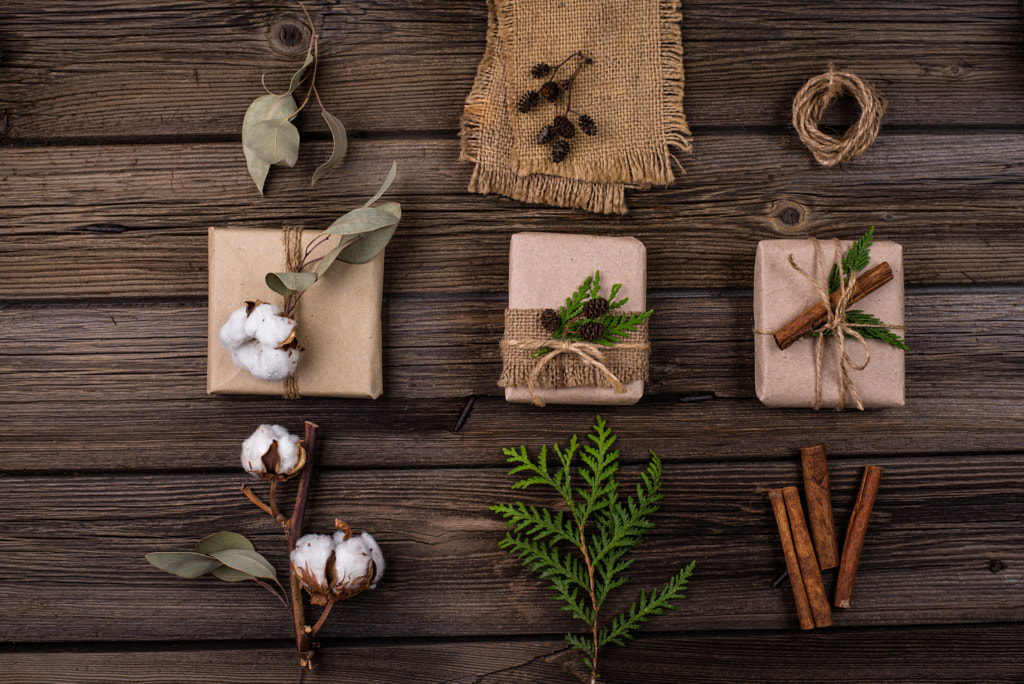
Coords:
338,318
785,378
545,268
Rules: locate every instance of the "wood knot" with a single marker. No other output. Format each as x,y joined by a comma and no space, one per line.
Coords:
996,566
288,34
788,217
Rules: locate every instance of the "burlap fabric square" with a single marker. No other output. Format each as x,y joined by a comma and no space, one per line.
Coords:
633,91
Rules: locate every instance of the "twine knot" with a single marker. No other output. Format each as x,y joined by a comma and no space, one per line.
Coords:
814,98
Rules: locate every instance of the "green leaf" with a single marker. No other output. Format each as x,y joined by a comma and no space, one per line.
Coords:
246,561
183,563
362,220
855,260
385,185
263,109
340,140
370,244
286,283
227,574
275,141
223,540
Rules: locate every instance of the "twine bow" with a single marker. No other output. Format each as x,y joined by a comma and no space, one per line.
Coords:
836,324
590,354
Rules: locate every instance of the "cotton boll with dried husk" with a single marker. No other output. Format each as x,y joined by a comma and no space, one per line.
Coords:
310,559
272,453
352,558
262,340
352,565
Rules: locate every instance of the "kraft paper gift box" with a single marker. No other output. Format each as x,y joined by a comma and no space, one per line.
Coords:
786,378
544,269
339,317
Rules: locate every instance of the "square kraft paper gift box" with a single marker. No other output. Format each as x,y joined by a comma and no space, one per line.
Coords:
786,378
339,318
545,269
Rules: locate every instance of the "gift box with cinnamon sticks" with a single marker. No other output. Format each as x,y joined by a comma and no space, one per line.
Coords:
594,352
825,341
339,320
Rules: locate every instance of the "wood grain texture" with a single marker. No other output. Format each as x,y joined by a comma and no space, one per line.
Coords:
446,576
191,68
131,221
857,656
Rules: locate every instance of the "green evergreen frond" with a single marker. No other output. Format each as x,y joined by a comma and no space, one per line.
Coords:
645,608
854,261
538,523
871,327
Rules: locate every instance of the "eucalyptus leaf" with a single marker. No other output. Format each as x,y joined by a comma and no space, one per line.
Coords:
223,540
246,561
384,187
226,574
286,283
370,244
183,563
275,141
340,139
262,109
329,258
361,220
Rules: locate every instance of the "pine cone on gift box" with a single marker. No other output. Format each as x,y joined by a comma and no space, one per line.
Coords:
549,320
595,308
591,332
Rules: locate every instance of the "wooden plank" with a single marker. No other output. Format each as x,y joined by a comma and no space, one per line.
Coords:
858,656
945,546
77,380
146,237
190,68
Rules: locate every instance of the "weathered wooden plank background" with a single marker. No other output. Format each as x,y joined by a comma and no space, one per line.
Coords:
119,145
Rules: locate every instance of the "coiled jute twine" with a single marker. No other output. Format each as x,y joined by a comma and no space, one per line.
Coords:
814,98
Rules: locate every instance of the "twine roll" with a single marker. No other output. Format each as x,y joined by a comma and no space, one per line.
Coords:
814,98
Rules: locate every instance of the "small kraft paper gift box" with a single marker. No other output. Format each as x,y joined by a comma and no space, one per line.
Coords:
339,319
544,270
794,364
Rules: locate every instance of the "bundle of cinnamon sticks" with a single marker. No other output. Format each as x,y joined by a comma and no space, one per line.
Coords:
809,549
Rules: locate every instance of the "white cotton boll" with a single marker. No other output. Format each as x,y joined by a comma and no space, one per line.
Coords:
232,333
310,557
275,364
258,314
352,559
259,443
375,553
267,325
247,355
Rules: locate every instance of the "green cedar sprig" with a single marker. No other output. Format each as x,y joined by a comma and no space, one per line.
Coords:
582,552
616,325
856,260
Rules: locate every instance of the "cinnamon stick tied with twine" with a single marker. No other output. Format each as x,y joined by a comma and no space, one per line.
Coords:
809,570
855,534
796,582
819,505
817,315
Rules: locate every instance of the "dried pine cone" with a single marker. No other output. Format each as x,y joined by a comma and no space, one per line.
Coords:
528,100
591,332
560,151
549,319
587,125
563,126
546,135
540,70
550,91
595,308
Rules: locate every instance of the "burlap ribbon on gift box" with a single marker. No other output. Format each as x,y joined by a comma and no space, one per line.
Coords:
576,365
633,91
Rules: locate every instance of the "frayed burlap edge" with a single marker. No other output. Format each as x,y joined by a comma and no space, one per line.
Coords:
633,167
566,370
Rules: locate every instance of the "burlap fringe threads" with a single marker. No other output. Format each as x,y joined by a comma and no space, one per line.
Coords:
814,98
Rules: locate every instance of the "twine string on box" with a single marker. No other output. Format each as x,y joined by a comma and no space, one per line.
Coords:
292,236
836,325
814,98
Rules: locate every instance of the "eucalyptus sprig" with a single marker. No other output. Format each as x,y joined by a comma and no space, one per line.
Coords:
362,234
589,317
856,260
268,135
582,552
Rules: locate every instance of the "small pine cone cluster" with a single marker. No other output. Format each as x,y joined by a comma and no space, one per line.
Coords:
561,128
528,101
587,124
549,320
550,91
591,331
595,308
559,151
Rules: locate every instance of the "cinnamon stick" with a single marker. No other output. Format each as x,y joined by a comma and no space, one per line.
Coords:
815,316
819,505
808,563
796,582
855,533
